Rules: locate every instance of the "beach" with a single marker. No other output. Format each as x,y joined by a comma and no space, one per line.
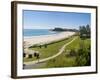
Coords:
46,39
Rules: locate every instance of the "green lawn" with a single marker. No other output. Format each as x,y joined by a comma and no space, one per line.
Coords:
51,49
64,60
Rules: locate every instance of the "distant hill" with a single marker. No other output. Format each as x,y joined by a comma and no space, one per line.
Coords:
63,29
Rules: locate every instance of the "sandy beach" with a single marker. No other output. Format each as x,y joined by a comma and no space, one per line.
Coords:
45,39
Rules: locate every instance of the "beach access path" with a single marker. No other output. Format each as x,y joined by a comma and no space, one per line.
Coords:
51,57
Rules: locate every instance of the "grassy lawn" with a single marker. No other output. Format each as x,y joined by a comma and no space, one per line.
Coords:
64,60
51,49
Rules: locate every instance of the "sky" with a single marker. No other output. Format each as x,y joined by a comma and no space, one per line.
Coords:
50,19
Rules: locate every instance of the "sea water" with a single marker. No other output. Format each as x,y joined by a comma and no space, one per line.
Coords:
37,32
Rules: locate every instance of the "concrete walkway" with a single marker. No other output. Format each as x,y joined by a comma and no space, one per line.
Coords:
51,57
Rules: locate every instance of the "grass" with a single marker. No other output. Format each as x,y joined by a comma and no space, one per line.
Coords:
64,60
51,49
60,61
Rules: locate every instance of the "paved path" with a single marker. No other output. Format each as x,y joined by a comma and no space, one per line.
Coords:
51,57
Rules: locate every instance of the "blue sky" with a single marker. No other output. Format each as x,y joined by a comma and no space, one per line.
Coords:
50,19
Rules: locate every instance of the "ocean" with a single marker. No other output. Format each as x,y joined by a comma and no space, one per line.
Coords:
37,32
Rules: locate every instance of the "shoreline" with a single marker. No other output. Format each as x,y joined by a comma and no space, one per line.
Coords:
45,39
28,37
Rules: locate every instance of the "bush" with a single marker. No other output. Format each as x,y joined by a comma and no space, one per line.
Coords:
83,57
72,52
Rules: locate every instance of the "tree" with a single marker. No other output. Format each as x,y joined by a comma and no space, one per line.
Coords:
84,31
88,31
80,29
